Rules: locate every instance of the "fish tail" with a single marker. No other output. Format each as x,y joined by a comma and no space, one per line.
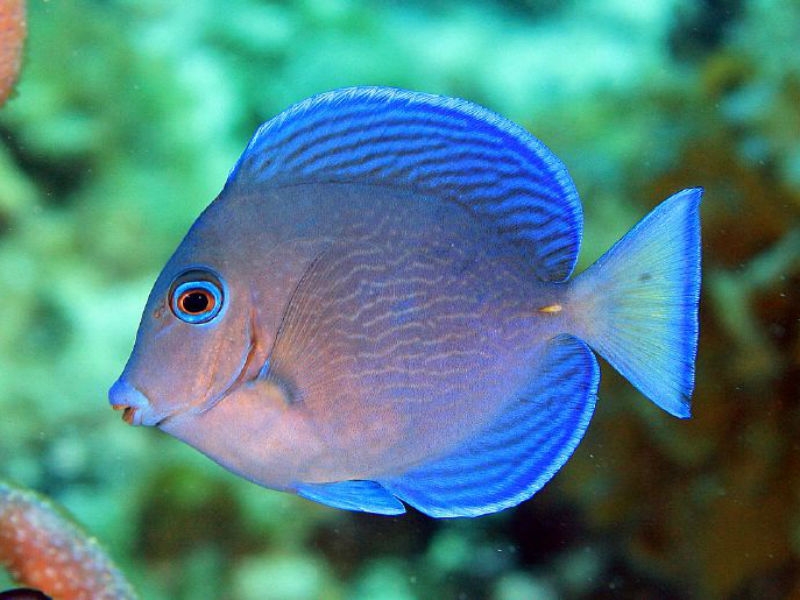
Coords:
637,305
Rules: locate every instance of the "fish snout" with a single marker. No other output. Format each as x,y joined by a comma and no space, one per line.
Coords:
135,406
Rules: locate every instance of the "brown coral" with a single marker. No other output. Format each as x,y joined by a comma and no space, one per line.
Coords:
42,548
12,34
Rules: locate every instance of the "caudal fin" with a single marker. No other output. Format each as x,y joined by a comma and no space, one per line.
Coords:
637,305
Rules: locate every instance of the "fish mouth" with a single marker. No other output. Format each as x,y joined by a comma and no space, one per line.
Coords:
128,413
131,415
135,407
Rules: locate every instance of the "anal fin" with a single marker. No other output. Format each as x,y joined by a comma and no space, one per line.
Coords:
511,458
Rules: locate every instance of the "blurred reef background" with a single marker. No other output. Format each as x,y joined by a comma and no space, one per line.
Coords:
129,114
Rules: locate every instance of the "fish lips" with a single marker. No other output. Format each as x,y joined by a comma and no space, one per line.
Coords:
135,407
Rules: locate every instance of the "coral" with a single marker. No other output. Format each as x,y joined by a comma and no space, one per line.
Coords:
12,34
43,548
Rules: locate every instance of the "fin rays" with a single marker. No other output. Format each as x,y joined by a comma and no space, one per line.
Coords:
517,454
445,148
641,298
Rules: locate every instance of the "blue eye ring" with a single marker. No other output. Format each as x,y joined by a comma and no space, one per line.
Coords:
196,297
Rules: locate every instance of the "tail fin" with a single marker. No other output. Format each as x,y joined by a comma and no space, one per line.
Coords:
637,305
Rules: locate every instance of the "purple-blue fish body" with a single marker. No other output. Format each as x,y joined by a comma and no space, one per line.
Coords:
377,308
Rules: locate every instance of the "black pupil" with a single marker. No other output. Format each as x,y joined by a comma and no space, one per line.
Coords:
195,302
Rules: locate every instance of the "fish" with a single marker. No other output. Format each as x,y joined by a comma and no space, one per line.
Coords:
378,310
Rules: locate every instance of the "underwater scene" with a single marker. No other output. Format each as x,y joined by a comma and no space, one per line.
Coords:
121,121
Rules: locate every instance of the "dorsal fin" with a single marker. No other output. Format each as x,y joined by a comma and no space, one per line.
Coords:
440,147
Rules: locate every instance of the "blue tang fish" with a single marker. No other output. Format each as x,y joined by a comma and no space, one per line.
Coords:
377,309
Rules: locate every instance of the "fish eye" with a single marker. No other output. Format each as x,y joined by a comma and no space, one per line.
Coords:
196,297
